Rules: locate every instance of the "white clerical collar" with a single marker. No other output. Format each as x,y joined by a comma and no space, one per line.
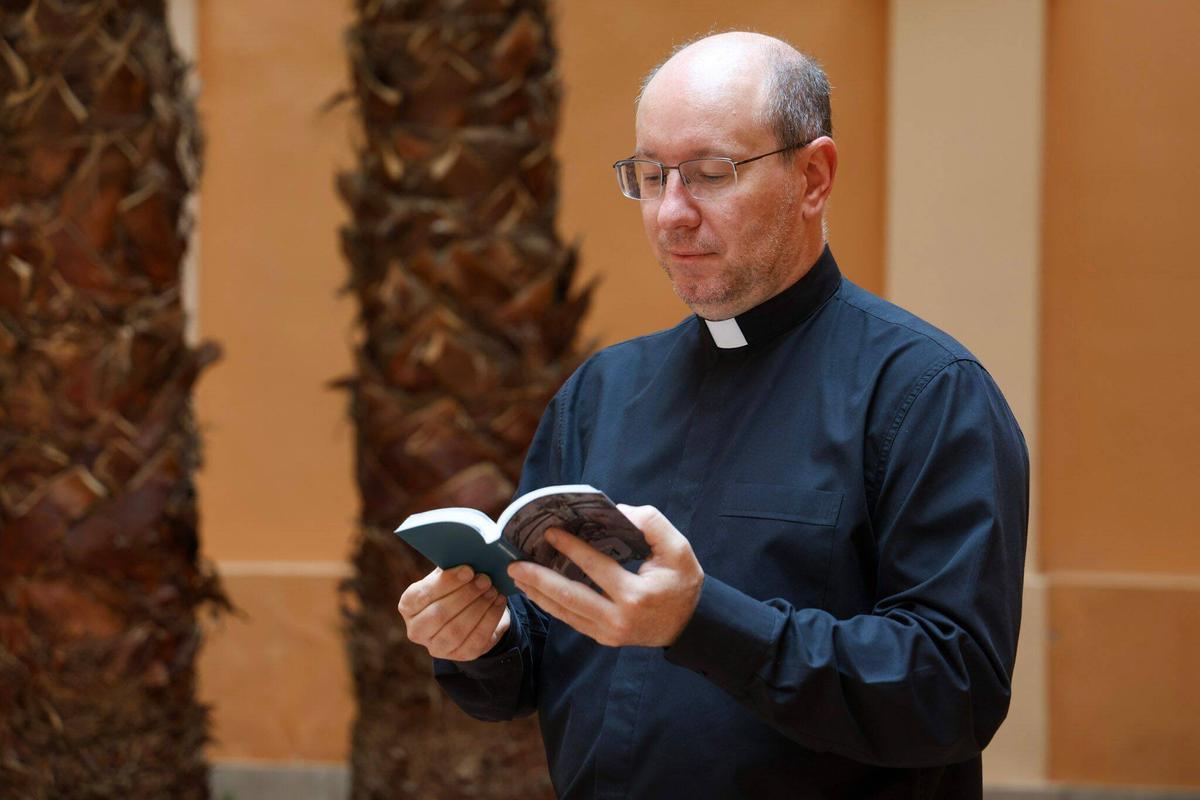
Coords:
726,333
776,315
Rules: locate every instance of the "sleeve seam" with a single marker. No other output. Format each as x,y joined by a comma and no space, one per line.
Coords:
918,386
560,424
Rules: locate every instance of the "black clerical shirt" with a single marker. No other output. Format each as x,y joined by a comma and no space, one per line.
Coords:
856,491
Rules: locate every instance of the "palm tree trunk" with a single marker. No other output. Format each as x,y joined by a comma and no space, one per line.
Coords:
99,579
467,323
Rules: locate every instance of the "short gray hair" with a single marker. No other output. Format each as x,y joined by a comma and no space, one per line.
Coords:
797,98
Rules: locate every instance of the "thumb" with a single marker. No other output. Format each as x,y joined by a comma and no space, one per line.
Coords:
659,532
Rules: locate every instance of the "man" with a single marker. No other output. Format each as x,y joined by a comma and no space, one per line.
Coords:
835,493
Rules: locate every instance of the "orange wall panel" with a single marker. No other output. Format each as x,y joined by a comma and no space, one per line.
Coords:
278,477
1120,388
275,673
1123,694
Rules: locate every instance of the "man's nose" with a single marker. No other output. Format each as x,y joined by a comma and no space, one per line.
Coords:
677,208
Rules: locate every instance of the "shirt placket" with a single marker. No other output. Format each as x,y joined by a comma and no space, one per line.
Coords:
621,741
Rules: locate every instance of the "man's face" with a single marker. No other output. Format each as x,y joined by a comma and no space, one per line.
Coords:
728,254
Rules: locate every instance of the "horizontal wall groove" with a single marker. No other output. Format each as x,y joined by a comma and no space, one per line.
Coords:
283,569
1096,579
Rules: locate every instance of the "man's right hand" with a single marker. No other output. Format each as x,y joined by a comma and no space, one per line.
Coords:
454,614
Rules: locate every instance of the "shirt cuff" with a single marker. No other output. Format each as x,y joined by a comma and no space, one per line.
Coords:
728,637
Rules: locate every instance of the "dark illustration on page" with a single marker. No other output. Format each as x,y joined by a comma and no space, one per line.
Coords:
589,516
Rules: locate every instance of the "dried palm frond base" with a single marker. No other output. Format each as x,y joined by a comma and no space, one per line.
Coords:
468,319
99,583
71,731
100,580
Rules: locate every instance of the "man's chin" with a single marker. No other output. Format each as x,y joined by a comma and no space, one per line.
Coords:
709,307
710,299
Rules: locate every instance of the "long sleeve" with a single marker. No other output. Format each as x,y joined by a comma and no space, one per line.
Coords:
500,685
924,679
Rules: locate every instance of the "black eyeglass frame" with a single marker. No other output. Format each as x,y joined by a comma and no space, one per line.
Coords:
665,168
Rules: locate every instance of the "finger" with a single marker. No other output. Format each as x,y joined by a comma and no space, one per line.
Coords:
610,576
533,574
636,514
485,634
455,631
570,598
583,623
430,590
424,626
565,591
433,587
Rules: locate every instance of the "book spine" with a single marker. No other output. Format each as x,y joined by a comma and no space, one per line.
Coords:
509,550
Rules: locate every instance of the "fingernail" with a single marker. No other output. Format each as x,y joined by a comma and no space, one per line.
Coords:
482,581
463,574
490,594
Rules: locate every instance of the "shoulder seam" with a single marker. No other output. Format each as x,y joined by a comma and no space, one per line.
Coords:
841,296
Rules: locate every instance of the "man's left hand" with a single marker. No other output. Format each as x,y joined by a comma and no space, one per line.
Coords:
649,608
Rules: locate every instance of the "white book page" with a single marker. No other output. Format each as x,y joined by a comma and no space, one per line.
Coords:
472,518
529,497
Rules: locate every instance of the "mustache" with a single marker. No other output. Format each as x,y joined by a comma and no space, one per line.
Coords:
688,243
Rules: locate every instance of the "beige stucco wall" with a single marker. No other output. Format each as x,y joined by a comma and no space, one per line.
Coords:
964,195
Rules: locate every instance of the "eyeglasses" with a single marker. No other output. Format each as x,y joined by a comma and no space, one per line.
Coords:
705,178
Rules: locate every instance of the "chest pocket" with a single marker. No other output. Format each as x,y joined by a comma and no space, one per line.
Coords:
777,540
785,503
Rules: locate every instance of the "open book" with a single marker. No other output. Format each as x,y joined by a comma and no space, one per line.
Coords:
450,537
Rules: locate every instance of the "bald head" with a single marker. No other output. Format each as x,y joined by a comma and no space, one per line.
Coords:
781,87
721,53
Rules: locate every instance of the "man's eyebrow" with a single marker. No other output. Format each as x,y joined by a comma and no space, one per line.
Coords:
720,151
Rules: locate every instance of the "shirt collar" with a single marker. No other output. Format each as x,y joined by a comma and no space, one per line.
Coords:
780,313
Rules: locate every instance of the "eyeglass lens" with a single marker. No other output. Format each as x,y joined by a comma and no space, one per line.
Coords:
704,178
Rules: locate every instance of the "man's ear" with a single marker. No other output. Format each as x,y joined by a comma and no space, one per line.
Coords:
819,166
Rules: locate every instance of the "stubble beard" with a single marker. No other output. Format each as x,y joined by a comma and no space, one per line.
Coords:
741,285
